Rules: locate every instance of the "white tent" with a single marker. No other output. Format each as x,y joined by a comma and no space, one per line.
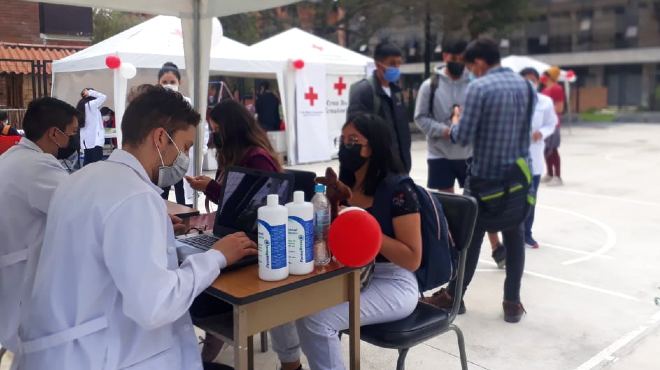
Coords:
196,18
339,62
147,46
518,62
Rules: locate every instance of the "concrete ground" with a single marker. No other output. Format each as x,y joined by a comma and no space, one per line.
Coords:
589,290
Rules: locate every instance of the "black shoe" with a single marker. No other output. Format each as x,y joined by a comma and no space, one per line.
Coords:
499,255
513,312
443,300
214,366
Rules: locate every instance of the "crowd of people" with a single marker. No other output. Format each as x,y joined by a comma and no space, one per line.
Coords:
100,286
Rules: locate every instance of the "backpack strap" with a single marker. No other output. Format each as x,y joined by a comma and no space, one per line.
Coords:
435,81
374,90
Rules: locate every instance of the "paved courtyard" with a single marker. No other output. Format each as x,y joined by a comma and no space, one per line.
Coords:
589,290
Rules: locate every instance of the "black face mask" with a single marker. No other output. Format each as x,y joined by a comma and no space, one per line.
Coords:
455,69
350,158
217,140
69,149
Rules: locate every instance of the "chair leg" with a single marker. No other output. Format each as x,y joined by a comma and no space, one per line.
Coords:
461,345
264,341
401,362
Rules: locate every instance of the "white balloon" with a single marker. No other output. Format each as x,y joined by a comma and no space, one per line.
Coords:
127,70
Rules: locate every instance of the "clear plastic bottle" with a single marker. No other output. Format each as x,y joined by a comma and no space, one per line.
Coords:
321,224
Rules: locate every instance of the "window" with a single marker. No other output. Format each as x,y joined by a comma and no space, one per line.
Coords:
65,20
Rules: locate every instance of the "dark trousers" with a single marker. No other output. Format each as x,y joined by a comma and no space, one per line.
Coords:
93,155
529,222
178,192
553,162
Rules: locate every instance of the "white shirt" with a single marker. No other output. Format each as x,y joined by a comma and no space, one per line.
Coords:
544,120
28,178
112,295
93,134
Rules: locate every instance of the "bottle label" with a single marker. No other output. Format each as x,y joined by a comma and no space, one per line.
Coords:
300,240
272,245
321,222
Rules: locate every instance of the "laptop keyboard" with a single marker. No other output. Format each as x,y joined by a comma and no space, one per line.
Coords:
203,241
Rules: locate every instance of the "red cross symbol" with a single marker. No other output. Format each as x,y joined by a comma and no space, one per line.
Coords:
311,96
340,86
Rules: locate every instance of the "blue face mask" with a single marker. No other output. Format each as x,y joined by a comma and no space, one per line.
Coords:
392,74
471,76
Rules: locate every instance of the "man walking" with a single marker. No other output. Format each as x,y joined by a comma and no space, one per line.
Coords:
380,95
496,122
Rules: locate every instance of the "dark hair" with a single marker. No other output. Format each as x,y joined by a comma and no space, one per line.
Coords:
82,114
483,48
44,113
170,67
454,46
239,133
386,49
382,161
3,115
106,111
137,91
530,71
156,107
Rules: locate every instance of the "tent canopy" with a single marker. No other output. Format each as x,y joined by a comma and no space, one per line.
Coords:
179,8
518,62
297,44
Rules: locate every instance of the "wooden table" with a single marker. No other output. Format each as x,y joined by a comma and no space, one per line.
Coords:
180,210
260,306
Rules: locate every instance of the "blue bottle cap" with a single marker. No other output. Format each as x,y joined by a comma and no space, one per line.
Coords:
319,188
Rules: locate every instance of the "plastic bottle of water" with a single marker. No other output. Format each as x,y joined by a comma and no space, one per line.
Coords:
321,225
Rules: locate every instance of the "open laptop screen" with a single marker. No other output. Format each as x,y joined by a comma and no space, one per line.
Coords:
243,192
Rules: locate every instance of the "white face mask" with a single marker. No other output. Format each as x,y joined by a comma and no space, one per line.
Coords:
170,175
171,87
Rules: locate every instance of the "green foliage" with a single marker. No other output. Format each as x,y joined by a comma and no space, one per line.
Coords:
108,23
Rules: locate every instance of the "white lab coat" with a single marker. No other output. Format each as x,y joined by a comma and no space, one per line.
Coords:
544,120
93,134
111,294
28,178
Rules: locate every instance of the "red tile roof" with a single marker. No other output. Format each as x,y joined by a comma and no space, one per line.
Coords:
31,52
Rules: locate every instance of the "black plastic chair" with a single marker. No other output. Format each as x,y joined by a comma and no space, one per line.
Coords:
303,181
427,321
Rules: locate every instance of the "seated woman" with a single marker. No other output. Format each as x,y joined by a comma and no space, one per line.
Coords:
365,161
239,141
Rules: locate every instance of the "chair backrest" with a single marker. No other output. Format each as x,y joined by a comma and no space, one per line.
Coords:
303,181
461,213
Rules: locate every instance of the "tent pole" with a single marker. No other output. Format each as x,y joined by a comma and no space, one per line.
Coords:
199,137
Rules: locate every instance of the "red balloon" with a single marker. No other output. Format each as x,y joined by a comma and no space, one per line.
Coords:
112,61
570,74
355,238
299,64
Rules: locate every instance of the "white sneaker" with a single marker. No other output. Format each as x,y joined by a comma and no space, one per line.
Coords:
546,179
556,181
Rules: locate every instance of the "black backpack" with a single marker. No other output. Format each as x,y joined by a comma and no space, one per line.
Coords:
439,256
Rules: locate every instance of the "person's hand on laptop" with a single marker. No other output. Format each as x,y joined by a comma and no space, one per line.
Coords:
199,183
178,225
235,246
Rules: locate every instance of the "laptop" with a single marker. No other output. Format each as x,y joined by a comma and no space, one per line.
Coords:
243,192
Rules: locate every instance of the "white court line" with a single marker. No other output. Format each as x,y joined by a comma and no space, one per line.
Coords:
607,355
576,251
610,235
608,197
573,283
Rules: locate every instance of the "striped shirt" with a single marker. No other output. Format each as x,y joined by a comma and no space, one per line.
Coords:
495,122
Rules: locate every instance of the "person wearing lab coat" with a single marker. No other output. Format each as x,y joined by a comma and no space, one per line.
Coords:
29,174
92,132
112,295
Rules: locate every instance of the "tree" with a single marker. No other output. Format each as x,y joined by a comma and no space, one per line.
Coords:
108,23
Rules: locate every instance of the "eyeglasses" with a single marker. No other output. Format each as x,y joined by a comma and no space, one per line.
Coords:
350,141
68,134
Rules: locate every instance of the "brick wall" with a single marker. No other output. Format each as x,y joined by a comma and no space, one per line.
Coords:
20,22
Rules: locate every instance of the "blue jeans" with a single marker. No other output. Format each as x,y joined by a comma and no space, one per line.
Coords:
536,180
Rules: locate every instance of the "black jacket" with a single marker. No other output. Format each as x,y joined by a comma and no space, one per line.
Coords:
392,110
